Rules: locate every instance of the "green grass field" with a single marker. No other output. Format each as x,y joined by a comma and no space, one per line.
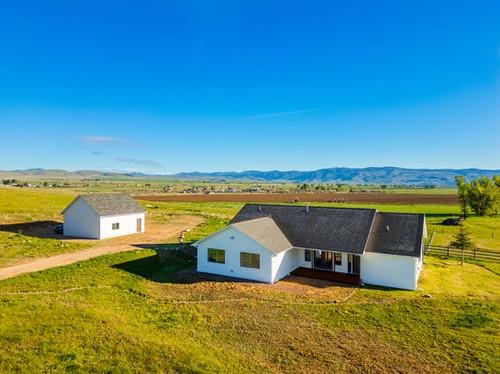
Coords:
34,205
130,312
133,312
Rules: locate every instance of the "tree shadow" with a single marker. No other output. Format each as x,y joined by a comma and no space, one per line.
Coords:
36,229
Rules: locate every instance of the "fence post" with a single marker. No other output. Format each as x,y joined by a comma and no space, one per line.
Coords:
474,253
462,256
448,252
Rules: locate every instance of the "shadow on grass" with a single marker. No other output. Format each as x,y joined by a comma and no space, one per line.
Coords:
441,215
163,266
37,229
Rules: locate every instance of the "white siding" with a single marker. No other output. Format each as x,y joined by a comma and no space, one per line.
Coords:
233,242
128,225
389,270
285,262
81,221
343,267
302,258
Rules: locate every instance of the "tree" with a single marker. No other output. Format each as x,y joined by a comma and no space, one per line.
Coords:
496,181
482,196
462,240
463,194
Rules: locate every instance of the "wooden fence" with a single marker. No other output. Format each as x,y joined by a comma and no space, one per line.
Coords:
469,254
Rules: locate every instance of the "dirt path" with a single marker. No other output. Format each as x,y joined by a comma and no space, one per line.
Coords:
155,233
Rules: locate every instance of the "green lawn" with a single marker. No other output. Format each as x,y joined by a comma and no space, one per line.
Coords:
25,216
130,312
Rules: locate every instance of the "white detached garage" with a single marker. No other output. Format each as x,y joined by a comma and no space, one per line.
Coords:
101,216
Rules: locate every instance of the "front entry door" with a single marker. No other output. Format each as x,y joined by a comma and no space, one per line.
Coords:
139,224
323,260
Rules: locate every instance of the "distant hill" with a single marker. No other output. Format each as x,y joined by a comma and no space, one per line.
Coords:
370,175
52,174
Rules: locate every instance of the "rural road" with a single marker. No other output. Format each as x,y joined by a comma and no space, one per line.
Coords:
155,233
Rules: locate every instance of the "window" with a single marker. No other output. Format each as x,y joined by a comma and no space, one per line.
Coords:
338,259
307,255
249,260
116,226
217,255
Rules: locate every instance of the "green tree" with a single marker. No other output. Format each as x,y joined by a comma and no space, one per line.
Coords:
496,181
482,196
463,194
462,240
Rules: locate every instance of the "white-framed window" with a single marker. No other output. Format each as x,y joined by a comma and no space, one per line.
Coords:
250,260
116,226
216,255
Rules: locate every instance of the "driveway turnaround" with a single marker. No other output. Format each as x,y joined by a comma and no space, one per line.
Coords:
155,234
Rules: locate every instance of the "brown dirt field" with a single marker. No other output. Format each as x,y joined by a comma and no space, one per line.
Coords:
387,198
154,234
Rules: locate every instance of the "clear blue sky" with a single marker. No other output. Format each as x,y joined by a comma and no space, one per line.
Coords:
167,86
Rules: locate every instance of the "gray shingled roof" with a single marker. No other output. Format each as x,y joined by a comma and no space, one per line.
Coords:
110,204
397,233
265,231
334,229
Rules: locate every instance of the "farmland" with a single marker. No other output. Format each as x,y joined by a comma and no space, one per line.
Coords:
355,197
147,311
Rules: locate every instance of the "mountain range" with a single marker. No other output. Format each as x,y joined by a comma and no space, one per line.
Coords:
369,175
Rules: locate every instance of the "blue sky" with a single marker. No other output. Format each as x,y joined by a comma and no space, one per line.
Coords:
168,86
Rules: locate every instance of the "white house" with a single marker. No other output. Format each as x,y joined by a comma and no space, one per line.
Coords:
268,242
101,216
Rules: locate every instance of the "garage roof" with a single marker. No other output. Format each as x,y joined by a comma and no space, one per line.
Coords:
110,204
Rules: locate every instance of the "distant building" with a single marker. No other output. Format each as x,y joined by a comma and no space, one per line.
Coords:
101,216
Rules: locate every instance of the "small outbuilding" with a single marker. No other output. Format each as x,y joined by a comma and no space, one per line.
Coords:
101,216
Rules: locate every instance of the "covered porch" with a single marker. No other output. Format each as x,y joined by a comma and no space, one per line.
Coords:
330,265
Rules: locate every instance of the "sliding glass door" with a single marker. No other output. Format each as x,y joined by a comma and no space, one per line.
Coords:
323,260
